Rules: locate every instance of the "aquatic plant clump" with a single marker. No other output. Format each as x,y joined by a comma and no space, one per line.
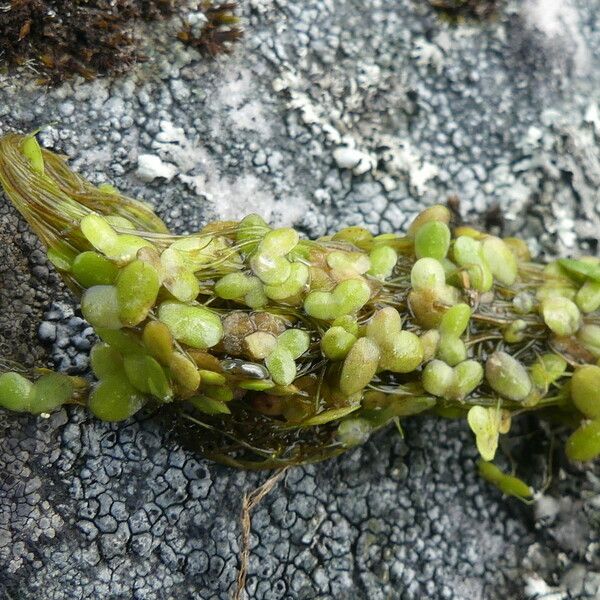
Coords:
269,349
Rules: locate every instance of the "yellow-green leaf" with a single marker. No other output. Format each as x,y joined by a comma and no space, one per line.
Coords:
487,424
329,415
210,406
580,267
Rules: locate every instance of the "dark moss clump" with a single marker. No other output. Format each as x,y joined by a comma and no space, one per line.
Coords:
60,38
466,9
219,31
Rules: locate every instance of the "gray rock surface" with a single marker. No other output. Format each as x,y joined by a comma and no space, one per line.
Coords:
330,113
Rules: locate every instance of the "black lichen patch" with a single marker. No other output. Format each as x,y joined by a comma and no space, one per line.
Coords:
60,38
457,10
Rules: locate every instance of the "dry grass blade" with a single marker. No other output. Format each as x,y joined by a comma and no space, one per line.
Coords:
249,503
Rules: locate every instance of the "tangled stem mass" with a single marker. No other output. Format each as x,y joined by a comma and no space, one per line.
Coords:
270,350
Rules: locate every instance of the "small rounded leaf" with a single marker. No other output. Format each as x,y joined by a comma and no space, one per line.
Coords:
126,247
432,240
210,406
250,229
547,369
182,284
385,323
292,286
427,274
354,431
348,322
347,297
383,260
61,256
98,232
91,268
281,366
255,297
233,286
507,376
259,345
115,399
118,220
507,484
125,342
515,331
486,424
100,307
585,390
271,269
147,376
359,236
500,260
348,264
351,295
32,151
467,251
360,365
467,377
295,341
401,353
184,372
456,320
584,443
437,378
105,360
137,289
588,296
561,315
523,303
51,391
437,212
196,326
451,350
430,341
279,242
158,340
15,392
589,337
336,343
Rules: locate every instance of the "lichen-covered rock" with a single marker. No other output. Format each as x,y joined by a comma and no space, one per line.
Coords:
89,510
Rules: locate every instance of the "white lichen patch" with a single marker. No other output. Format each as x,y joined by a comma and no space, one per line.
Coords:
537,589
151,167
360,147
560,22
354,159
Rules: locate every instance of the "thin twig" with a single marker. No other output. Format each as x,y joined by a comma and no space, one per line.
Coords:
249,502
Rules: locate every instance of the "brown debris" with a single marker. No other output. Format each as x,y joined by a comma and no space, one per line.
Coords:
461,9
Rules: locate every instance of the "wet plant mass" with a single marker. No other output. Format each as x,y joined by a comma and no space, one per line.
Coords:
267,349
